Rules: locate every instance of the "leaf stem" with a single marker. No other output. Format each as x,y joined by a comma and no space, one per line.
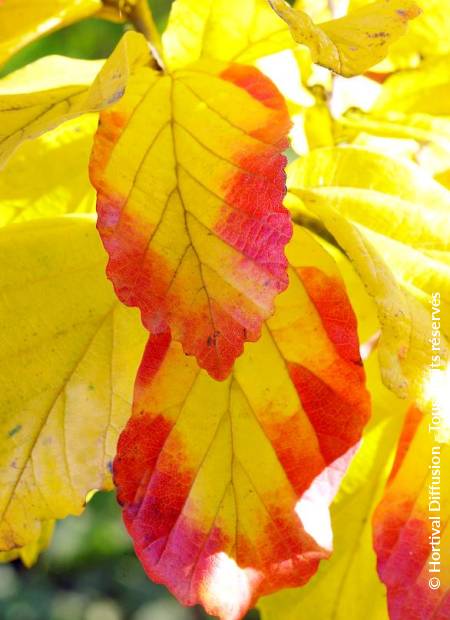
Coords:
142,19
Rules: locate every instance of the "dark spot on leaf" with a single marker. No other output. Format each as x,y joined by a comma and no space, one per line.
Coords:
15,430
377,35
115,96
212,340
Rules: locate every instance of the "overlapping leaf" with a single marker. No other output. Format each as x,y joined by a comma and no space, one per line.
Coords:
22,21
237,30
55,89
347,585
411,524
352,44
423,90
427,36
376,207
425,138
322,10
49,176
69,355
29,553
190,181
226,485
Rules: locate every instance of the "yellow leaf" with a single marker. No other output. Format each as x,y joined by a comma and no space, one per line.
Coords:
444,178
423,90
190,178
238,30
22,21
48,176
29,554
360,195
69,356
352,44
322,10
427,36
430,133
55,89
347,586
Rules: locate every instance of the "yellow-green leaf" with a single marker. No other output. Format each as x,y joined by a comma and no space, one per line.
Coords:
49,176
239,30
55,89
69,354
352,44
372,204
22,21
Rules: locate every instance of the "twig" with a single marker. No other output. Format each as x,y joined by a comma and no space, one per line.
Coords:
142,19
138,13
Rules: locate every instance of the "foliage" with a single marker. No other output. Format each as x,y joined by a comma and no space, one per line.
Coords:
283,336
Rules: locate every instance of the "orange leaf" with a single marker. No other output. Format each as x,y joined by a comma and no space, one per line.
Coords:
190,181
411,526
226,485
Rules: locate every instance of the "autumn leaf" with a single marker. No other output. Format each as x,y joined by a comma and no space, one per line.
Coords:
234,30
29,553
22,21
55,89
347,585
427,37
190,210
48,176
225,485
69,355
322,10
241,31
376,208
413,517
352,44
431,135
425,89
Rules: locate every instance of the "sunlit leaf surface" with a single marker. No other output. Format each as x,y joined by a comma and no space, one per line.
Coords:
226,485
190,178
69,356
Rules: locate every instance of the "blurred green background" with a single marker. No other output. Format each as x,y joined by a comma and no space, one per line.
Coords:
91,39
90,571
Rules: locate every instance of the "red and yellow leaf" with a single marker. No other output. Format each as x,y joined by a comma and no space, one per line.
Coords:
411,526
226,485
190,181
